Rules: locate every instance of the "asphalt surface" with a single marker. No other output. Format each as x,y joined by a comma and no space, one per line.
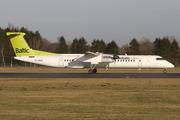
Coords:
87,75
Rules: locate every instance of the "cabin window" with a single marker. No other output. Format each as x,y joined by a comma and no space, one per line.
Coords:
159,58
64,60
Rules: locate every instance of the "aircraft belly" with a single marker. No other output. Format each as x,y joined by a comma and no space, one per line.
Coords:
102,65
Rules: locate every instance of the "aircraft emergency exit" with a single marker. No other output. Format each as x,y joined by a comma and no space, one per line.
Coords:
88,60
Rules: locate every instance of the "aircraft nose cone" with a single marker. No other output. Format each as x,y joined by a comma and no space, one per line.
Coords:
170,65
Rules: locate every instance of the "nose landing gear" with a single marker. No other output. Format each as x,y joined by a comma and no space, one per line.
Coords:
165,71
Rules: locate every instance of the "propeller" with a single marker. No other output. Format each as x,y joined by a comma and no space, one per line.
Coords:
115,56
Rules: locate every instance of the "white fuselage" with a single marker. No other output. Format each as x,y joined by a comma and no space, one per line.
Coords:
101,61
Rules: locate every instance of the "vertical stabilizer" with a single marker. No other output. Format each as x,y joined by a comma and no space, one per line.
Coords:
20,46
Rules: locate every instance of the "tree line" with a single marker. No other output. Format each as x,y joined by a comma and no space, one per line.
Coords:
165,47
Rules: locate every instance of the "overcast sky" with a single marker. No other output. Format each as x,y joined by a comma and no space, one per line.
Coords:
119,20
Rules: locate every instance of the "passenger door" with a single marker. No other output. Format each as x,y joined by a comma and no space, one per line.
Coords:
61,62
140,62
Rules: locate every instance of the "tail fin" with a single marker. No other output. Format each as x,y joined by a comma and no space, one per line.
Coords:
20,46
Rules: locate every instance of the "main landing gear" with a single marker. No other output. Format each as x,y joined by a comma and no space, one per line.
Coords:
92,70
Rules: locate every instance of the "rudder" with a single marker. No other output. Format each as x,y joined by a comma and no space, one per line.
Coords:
20,46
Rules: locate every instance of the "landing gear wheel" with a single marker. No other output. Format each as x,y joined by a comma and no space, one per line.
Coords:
165,71
94,70
90,71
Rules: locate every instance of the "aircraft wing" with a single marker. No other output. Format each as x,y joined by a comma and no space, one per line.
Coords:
91,54
90,57
95,58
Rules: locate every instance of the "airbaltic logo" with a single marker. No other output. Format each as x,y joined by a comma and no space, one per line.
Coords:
23,50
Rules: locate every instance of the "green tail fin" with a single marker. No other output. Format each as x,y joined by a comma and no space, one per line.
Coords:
20,46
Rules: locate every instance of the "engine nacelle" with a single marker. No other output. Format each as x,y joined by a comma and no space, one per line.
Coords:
115,57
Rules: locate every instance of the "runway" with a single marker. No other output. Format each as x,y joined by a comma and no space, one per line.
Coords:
87,75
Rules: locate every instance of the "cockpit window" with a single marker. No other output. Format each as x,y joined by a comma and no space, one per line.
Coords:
159,58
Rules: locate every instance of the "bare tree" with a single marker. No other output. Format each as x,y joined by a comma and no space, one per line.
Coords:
124,49
146,46
69,46
2,45
10,54
47,46
55,46
10,26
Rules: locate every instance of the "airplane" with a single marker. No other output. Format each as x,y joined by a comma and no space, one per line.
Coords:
88,60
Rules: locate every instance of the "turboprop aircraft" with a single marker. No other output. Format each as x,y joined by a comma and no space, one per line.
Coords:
88,60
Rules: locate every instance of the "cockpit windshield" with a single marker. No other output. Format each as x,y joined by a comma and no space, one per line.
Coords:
160,59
